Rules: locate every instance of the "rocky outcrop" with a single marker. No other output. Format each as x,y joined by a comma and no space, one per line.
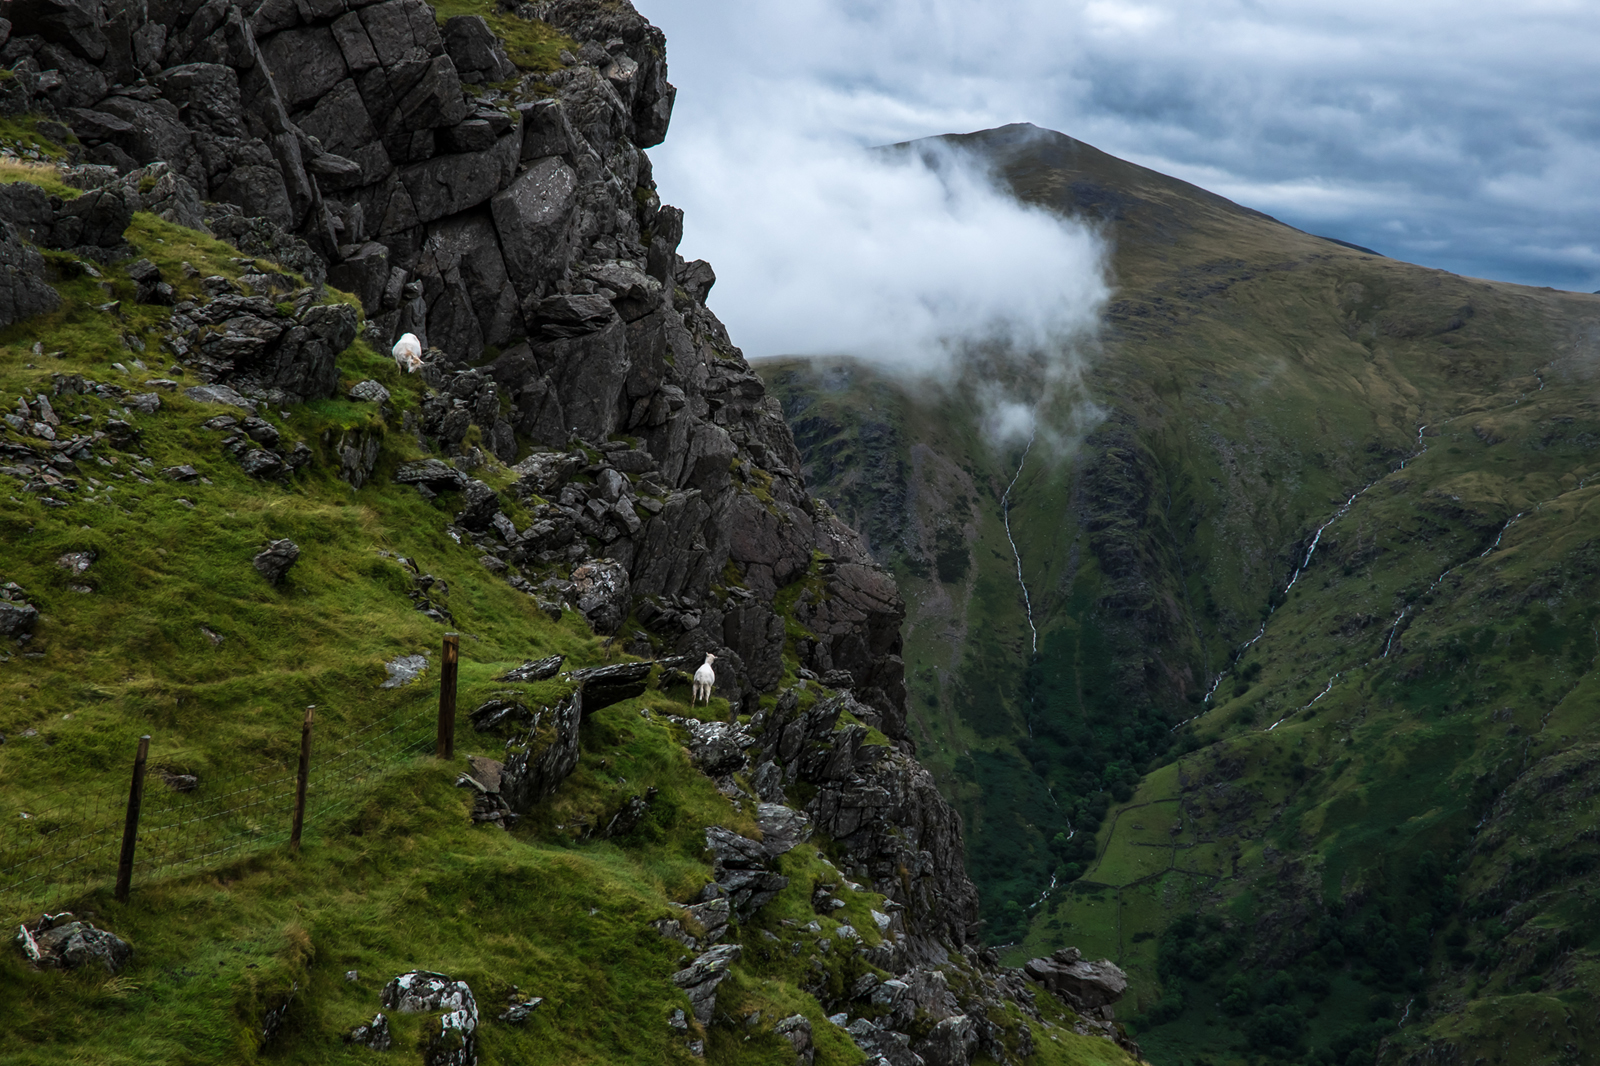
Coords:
62,942
882,806
273,561
419,991
1084,986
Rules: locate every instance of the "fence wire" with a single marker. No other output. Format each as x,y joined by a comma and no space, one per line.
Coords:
66,844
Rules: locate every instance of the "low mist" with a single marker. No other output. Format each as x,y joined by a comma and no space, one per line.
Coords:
911,260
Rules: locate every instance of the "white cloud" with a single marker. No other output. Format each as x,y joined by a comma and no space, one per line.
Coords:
1472,123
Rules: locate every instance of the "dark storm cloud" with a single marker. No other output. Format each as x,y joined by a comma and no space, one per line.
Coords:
1460,135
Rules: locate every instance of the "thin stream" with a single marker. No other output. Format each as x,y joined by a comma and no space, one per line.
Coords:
1005,513
1311,550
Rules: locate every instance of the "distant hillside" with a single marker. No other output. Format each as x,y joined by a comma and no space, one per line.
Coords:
1297,840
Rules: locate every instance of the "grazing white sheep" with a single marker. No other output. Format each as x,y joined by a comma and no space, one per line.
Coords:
408,353
704,679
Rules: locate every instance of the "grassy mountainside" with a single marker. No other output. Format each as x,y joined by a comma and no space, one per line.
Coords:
152,620
1380,814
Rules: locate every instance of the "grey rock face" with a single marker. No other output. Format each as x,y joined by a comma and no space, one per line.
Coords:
78,26
23,290
600,592
544,758
532,217
700,979
475,49
274,561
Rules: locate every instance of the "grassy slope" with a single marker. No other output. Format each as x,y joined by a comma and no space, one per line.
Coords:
400,879
1265,375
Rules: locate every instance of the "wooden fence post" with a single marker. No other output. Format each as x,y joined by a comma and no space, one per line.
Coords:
300,780
130,827
447,697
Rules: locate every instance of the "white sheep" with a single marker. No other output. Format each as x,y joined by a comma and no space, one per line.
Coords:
408,353
704,679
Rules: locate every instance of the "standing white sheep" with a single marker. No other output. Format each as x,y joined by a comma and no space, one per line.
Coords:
408,353
704,679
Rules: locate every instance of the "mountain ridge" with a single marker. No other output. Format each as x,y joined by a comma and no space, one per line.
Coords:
1267,393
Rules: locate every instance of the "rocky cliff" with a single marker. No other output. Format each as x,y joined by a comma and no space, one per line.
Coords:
509,219
489,192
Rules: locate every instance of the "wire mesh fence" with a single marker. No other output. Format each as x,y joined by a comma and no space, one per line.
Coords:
57,846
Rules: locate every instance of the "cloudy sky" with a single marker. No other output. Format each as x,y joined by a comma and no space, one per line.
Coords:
1461,135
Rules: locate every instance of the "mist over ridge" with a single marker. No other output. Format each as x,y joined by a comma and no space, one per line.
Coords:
911,259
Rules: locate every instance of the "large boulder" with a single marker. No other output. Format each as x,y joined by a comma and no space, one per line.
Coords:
1084,986
532,217
97,219
17,619
273,561
476,51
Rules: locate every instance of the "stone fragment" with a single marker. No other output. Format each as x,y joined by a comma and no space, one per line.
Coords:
273,561
519,1013
951,1042
534,670
796,1029
218,394
433,474
374,1034
498,713
184,472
